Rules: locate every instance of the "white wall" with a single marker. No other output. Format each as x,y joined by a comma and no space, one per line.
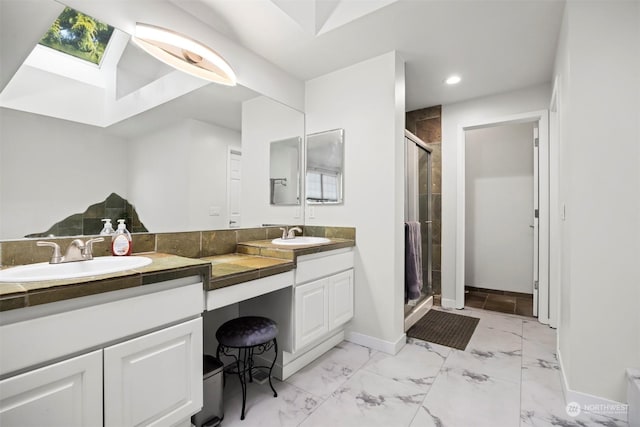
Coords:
52,168
178,173
367,100
460,114
263,121
598,68
499,208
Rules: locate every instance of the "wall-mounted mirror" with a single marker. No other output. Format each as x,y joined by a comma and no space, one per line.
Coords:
284,171
325,167
164,142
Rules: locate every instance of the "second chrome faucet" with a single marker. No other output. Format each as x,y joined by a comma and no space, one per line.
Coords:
290,233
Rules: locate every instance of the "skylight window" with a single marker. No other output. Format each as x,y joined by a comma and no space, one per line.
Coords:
78,35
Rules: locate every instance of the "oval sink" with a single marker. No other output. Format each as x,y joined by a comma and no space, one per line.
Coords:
70,270
301,240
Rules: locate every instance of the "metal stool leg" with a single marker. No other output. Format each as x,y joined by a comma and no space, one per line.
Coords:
242,376
275,349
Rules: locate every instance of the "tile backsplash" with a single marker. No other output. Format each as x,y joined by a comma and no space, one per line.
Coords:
193,244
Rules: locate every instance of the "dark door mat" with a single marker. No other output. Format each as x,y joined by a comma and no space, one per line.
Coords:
440,327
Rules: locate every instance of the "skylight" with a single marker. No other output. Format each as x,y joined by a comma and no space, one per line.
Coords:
78,35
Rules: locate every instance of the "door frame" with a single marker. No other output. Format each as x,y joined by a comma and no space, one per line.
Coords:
542,117
230,151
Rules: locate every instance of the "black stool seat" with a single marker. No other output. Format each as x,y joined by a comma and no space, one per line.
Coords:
247,331
249,336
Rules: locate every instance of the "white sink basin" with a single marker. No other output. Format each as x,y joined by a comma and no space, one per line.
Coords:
70,270
301,240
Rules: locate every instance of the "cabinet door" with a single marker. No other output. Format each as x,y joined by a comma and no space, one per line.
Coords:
312,316
155,379
340,298
65,394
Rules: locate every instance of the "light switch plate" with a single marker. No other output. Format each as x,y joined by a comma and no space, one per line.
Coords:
214,211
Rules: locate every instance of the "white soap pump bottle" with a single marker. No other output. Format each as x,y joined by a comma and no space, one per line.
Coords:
107,230
121,243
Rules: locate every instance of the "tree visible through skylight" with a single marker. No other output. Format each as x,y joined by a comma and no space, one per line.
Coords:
79,35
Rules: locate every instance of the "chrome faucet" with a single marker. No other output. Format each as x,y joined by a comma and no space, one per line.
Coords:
292,232
289,233
77,250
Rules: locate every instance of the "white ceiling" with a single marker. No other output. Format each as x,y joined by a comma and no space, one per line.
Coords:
496,46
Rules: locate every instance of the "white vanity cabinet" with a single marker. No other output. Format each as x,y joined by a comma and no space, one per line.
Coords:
65,394
123,358
311,312
154,380
322,306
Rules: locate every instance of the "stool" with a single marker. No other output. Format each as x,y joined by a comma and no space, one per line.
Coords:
251,335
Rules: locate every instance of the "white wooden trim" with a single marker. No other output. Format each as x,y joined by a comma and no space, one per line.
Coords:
555,243
542,116
588,401
388,347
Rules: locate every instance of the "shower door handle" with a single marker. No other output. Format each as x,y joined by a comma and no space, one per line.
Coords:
428,222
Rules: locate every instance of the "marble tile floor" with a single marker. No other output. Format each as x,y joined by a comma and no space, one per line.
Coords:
507,377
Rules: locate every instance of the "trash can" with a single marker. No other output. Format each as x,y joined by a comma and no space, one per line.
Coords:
212,411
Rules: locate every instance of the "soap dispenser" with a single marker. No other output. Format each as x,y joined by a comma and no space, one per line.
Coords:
121,243
107,230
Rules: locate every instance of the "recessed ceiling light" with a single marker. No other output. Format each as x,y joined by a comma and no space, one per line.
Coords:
453,80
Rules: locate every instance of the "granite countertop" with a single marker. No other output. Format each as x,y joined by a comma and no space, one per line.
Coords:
232,269
163,267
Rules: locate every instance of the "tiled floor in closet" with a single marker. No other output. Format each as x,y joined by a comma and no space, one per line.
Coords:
508,376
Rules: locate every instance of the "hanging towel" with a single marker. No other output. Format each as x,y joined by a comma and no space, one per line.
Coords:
412,260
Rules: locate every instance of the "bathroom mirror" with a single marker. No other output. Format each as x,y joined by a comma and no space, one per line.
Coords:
165,144
284,171
325,167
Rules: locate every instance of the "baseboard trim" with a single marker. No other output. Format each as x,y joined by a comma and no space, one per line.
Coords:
376,343
590,403
448,303
294,362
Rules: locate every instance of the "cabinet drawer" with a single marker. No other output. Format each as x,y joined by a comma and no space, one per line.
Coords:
316,267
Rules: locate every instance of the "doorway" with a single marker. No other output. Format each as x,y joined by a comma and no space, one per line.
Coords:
500,257
539,219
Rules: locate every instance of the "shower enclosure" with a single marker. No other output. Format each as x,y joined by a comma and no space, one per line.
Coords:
418,208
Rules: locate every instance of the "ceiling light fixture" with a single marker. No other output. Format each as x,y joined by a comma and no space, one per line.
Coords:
184,54
453,80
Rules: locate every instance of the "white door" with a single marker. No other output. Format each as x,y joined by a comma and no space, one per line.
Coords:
65,394
233,188
312,314
155,379
536,215
340,299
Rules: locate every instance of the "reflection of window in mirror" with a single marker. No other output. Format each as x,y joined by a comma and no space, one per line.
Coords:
322,186
325,152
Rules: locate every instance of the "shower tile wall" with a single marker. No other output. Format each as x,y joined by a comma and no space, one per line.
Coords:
426,125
